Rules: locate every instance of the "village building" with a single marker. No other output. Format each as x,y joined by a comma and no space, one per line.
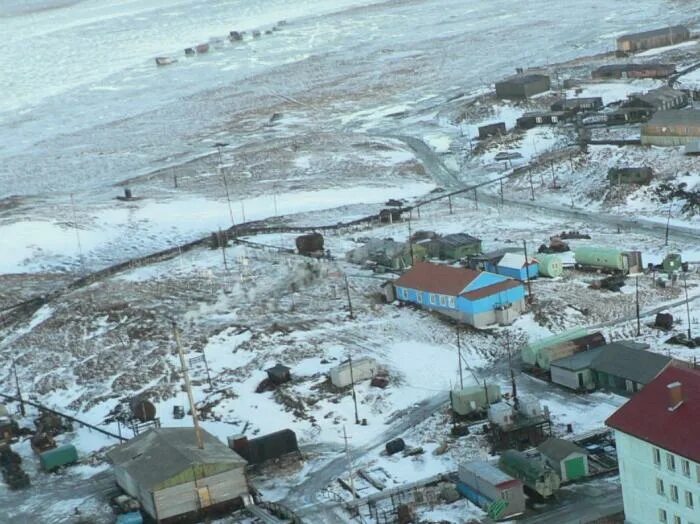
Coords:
628,115
497,129
658,450
655,38
660,99
499,494
672,128
362,369
453,247
174,479
565,457
578,104
575,371
475,298
387,253
522,86
618,71
513,265
543,118
265,447
629,175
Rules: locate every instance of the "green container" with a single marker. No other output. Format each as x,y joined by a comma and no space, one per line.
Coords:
530,352
601,257
53,459
672,263
550,265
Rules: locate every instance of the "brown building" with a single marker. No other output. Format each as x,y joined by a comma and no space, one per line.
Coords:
672,128
522,86
659,99
652,70
650,39
489,130
543,118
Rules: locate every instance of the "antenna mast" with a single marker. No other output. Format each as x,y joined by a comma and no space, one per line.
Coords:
188,386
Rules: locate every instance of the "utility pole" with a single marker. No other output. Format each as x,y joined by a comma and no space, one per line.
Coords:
459,359
188,387
476,200
219,146
668,223
410,237
77,234
501,180
19,390
347,457
687,304
532,187
449,201
354,395
527,272
636,292
347,292
222,242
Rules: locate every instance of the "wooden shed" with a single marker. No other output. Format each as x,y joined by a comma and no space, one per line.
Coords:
499,494
672,128
522,86
664,36
565,457
489,130
174,479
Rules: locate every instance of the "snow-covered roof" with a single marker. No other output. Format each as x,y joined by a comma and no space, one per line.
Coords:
514,261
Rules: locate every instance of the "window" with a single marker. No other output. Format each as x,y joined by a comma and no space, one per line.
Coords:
657,456
433,299
505,494
671,462
662,515
419,296
674,493
443,300
686,467
660,486
451,301
689,499
676,519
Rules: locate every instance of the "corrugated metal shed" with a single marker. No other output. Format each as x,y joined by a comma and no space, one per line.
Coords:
625,361
487,472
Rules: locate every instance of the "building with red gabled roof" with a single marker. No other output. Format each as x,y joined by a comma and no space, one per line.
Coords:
657,436
473,297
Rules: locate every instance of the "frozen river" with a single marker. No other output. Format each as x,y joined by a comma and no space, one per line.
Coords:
84,104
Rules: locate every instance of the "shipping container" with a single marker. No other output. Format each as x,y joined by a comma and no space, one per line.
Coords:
133,517
62,456
550,266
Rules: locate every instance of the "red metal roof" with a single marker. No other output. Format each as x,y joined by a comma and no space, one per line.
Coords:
436,278
648,418
448,280
492,289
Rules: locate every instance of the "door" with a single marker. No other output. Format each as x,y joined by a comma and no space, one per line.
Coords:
204,497
575,468
580,380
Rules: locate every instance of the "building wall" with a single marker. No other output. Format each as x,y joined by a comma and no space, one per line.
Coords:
639,474
131,487
184,498
561,466
569,379
650,138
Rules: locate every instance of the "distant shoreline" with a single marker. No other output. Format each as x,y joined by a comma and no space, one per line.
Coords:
33,6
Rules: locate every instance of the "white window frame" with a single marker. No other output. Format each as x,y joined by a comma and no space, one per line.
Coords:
685,466
657,456
676,519
662,515
452,302
419,297
674,493
670,462
432,297
689,502
660,487
443,300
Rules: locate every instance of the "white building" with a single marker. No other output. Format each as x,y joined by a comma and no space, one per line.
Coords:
657,435
344,374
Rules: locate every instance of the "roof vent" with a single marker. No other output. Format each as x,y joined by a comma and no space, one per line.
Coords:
675,395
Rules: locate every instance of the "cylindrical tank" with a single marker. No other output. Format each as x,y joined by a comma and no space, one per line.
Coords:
142,409
568,348
311,243
394,446
529,353
550,266
601,257
473,398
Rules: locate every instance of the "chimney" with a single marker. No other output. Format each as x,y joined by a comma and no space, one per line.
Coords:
675,395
